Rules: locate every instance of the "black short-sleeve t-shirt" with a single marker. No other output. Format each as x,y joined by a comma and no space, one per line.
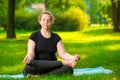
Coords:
45,48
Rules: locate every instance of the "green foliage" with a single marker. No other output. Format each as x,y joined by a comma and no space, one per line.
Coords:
78,3
62,5
3,21
72,19
62,10
3,7
28,21
93,10
26,17
106,11
64,20
3,12
26,3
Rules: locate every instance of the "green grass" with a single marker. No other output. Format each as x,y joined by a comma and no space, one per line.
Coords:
98,46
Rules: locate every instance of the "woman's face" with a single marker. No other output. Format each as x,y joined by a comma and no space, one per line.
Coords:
45,21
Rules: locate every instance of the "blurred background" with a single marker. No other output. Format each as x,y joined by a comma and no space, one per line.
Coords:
70,15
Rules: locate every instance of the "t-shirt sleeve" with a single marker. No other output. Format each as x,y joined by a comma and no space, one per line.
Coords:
33,36
58,38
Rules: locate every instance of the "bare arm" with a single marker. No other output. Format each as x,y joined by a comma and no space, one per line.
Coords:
63,54
31,51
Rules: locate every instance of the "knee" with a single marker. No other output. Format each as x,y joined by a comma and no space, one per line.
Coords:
27,70
24,72
68,69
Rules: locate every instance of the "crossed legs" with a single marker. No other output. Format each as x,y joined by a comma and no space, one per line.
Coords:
46,67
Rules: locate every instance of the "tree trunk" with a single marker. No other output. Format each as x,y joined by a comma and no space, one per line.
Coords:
116,15
10,23
119,13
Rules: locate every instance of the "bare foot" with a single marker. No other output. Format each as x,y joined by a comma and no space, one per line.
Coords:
69,63
31,75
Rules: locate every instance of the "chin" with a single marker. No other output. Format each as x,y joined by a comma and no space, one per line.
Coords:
46,28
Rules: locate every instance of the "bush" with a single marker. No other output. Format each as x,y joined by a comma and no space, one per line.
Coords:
26,23
69,20
26,20
3,21
72,19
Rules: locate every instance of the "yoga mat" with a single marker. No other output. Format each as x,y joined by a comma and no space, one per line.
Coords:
89,71
11,76
76,72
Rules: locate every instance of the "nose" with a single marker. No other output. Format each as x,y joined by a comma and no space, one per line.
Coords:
46,21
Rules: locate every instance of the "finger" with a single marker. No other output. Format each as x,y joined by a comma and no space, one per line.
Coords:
27,61
24,60
78,56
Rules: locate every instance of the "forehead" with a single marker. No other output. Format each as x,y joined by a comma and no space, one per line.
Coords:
46,16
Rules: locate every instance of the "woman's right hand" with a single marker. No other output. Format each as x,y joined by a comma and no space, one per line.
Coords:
26,59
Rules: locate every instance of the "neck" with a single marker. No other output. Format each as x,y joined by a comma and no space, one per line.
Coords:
45,30
45,33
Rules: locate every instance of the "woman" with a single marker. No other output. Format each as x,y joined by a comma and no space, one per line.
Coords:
42,46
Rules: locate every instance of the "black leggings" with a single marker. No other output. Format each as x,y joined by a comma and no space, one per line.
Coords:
46,67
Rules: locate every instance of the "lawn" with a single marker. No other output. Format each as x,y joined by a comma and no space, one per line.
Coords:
98,46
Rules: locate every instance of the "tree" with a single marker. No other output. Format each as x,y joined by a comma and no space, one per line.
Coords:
116,14
10,23
93,10
111,10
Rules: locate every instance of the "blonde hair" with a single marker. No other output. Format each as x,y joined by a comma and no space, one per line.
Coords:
49,13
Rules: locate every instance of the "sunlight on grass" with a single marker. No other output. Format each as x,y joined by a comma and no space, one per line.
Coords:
99,38
113,47
114,78
75,36
96,28
23,35
79,37
20,35
70,36
1,28
2,35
